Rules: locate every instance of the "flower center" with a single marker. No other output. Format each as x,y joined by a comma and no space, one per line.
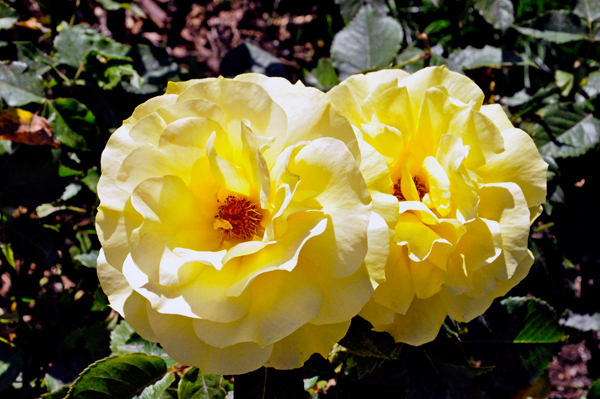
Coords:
421,189
237,218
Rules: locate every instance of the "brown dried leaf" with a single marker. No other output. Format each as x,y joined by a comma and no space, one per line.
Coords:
24,127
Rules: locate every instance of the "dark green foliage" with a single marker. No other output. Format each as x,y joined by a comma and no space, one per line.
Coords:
371,40
74,43
73,123
267,382
539,59
518,337
119,376
19,85
124,340
194,385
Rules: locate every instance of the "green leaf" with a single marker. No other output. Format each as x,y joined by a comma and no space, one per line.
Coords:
87,260
115,74
499,13
74,43
533,322
557,27
122,333
156,390
588,10
519,336
528,9
371,40
582,322
60,393
591,84
19,86
54,384
594,392
101,302
8,254
125,340
489,57
6,147
412,59
349,8
194,385
576,141
91,179
70,191
248,57
73,124
519,98
48,209
118,376
310,382
362,341
113,5
154,67
325,73
564,81
10,364
8,16
437,26
38,63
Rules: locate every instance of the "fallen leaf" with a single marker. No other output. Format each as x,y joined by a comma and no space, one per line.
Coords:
33,24
24,127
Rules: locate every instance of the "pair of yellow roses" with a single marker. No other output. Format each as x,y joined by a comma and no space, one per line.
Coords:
244,222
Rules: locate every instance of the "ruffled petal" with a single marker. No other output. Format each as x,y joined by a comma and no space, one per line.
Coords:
505,203
377,314
282,254
397,292
292,351
465,308
390,108
281,303
123,299
497,115
183,142
331,181
342,297
422,241
377,177
420,324
451,156
224,171
378,241
458,86
264,115
177,336
150,106
520,163
309,114
205,297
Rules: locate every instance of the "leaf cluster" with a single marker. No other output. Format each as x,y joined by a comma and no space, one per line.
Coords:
58,337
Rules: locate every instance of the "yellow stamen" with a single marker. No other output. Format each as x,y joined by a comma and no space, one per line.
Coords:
237,218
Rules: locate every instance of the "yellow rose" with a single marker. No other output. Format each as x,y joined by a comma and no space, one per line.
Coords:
458,186
233,222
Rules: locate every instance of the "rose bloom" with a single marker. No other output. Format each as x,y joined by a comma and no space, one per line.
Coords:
458,186
233,223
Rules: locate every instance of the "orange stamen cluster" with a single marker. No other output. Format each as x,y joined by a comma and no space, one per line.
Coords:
398,191
421,189
243,216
